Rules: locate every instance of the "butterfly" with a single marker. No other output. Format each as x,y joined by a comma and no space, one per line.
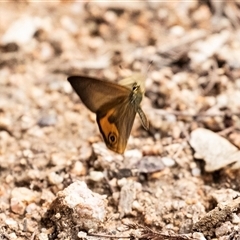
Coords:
115,106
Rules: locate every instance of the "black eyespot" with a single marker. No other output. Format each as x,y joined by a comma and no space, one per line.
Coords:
112,138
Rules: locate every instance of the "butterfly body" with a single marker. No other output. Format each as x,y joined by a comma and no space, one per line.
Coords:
115,106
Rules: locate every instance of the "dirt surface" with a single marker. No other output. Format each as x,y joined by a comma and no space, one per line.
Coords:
50,144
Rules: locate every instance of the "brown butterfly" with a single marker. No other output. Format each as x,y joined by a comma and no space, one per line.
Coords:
115,106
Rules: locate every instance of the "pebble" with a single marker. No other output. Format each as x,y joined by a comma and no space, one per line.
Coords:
150,164
177,31
88,207
110,17
224,229
11,223
31,225
79,169
134,153
36,131
168,162
224,195
43,236
21,197
47,195
216,151
101,150
17,206
21,31
127,197
58,159
48,120
136,205
85,152
196,172
235,218
66,87
31,209
9,179
55,178
82,235
198,236
96,176
46,52
12,236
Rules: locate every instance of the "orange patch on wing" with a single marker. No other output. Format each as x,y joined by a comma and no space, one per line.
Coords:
107,128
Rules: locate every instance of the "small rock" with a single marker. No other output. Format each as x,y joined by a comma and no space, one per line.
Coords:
168,162
12,236
77,204
33,209
21,197
177,31
46,52
66,87
110,17
43,236
215,150
58,159
127,197
11,223
224,195
136,205
96,176
48,120
134,153
196,172
47,195
235,218
150,164
225,229
198,236
79,169
21,31
31,225
82,235
85,152
55,178
101,149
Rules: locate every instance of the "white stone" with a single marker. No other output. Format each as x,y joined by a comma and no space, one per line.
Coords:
21,31
168,162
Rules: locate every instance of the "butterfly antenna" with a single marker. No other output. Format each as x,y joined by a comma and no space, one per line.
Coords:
150,64
148,68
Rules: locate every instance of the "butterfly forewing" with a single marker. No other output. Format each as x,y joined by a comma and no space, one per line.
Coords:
96,93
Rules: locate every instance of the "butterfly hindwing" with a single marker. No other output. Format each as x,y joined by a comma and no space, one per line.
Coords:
115,125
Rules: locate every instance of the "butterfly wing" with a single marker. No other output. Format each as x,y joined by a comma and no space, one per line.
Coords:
96,93
110,101
116,125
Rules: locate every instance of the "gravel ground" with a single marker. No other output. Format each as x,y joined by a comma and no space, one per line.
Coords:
177,180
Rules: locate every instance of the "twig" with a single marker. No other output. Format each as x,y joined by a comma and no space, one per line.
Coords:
33,235
106,235
226,131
